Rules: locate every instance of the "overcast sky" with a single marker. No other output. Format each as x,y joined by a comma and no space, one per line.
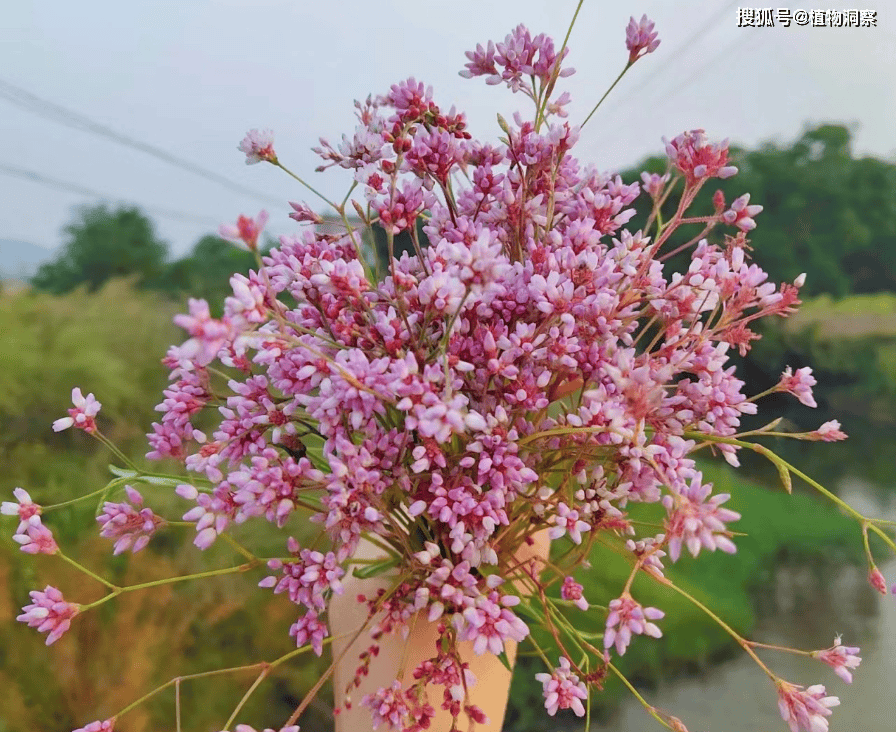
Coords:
192,76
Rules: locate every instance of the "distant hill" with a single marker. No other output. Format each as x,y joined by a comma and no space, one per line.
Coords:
20,259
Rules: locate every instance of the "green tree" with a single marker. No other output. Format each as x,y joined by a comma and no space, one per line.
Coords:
206,271
103,243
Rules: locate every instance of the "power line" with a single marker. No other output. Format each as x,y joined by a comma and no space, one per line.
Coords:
83,191
24,99
728,50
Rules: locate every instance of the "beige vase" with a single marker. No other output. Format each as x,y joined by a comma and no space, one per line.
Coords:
492,687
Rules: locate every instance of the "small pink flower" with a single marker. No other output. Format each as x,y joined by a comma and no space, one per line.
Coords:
131,526
308,629
563,690
388,705
877,580
105,726
303,212
805,710
572,590
741,214
698,158
246,230
798,383
828,432
840,658
258,145
654,183
640,38
626,618
49,613
567,522
85,409
37,539
26,509
208,334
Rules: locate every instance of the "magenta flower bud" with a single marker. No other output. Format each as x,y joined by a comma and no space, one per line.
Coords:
49,613
107,725
36,539
26,509
640,38
805,710
877,580
572,591
562,689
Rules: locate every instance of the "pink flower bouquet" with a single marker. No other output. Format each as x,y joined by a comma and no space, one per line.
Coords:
536,367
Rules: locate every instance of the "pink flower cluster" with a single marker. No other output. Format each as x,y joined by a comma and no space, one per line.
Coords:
805,710
563,690
49,613
430,387
430,402
31,534
131,525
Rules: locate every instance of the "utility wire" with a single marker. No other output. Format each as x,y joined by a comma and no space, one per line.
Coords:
689,43
24,99
83,191
727,51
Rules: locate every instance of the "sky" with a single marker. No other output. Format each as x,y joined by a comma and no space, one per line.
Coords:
191,77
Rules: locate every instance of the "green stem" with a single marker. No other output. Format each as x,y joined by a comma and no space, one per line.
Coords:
781,463
240,548
255,684
115,451
742,642
81,498
540,117
86,571
606,94
177,680
316,192
649,707
116,591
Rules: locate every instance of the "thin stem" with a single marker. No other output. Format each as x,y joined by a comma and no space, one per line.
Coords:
606,94
555,74
783,464
116,591
84,570
115,451
742,642
266,666
649,707
783,649
81,498
240,548
316,192
177,704
176,681
255,684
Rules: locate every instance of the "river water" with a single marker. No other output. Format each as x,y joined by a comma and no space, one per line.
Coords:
805,608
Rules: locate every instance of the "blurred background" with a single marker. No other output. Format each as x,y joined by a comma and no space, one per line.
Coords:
121,124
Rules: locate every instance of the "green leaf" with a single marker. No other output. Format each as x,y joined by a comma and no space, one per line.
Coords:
502,657
375,570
